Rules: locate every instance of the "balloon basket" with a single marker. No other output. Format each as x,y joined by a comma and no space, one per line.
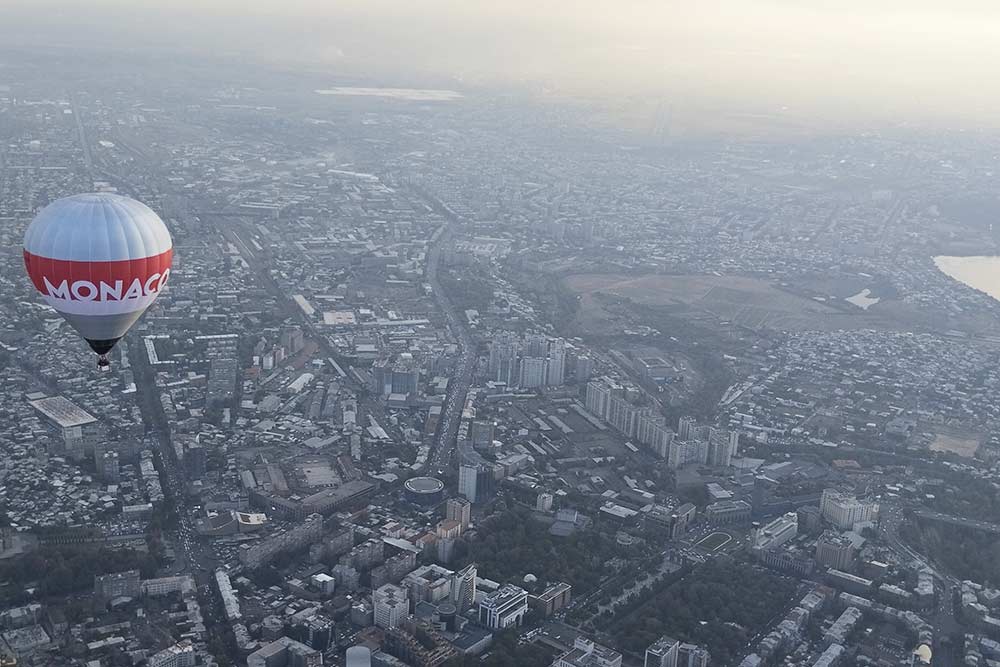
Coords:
103,363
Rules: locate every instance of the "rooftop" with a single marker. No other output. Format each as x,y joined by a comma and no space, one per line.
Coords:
63,412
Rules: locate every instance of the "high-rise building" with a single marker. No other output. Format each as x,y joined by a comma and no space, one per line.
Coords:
720,448
392,605
600,391
845,511
810,520
292,339
652,431
836,551
555,370
543,503
584,368
463,588
535,345
109,469
662,653
685,427
405,377
531,372
504,607
623,415
685,452
503,358
467,475
460,510
486,480
669,652
381,382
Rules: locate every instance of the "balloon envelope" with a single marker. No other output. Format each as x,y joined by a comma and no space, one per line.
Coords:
100,260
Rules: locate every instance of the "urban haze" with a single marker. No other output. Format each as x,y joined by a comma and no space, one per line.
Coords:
532,334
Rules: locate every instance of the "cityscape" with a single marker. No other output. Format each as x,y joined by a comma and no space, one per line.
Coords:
453,375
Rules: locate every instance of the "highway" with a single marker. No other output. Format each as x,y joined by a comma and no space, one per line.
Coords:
191,552
465,367
984,526
943,618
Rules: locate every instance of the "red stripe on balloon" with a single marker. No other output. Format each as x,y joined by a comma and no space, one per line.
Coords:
126,270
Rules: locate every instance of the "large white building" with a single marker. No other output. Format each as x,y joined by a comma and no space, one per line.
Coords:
721,448
463,588
460,510
600,391
586,653
669,652
685,427
392,606
428,583
467,482
685,452
845,511
531,373
178,655
76,430
778,532
555,368
652,431
503,358
530,363
504,607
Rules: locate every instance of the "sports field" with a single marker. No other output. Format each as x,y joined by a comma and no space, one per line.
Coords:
714,541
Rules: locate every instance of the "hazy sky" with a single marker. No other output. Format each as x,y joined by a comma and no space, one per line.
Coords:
857,57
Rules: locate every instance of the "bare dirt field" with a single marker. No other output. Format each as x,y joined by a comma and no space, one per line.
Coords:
957,443
750,302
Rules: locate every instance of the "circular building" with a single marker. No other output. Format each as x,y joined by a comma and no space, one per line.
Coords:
426,491
446,614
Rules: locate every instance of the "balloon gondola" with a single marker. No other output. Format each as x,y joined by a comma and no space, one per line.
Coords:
100,260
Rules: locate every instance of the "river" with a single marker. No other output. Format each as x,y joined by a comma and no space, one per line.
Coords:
981,273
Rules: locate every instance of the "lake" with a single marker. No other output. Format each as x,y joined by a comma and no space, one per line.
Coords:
863,299
981,273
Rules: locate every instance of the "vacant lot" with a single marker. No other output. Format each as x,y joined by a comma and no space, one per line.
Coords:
750,302
956,443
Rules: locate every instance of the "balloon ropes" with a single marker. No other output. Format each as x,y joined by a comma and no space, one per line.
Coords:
100,260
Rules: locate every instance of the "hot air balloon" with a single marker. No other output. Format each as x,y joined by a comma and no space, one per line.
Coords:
100,260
